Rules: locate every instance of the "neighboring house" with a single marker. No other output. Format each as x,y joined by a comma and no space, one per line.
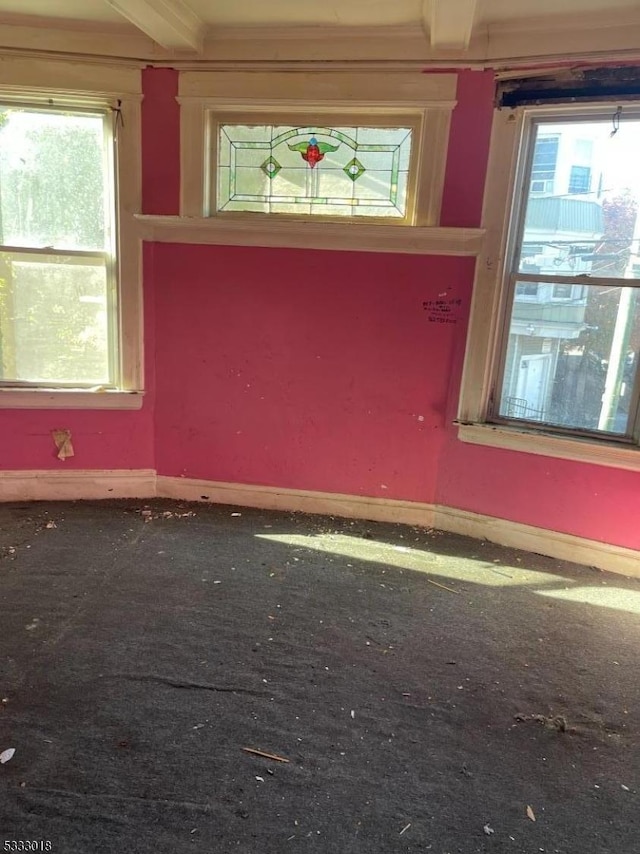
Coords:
563,224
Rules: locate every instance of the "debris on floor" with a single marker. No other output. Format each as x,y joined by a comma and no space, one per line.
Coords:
149,515
134,691
255,752
6,755
557,722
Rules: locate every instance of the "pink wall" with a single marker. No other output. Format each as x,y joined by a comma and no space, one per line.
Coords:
102,439
468,150
160,142
312,370
591,501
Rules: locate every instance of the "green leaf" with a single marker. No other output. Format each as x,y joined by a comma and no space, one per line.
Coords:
300,146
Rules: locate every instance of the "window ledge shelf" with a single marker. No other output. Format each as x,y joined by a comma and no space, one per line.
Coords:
12,398
596,452
343,235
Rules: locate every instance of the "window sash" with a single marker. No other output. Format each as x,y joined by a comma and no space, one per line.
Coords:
494,414
512,277
105,257
104,260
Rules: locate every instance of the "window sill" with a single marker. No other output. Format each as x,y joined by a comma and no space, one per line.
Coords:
601,453
12,398
298,234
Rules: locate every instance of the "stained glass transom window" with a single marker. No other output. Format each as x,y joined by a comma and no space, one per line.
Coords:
327,171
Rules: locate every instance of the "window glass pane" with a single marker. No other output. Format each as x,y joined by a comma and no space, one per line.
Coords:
581,212
339,171
579,180
53,319
572,361
53,168
545,155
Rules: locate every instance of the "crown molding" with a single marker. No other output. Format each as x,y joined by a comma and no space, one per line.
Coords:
39,76
599,37
75,39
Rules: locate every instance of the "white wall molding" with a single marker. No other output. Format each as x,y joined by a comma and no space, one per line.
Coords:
539,540
298,500
349,236
512,534
595,451
43,76
71,485
14,398
350,89
76,484
600,35
28,35
170,23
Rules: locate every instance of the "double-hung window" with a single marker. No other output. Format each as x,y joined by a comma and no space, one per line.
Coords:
58,272
70,286
553,354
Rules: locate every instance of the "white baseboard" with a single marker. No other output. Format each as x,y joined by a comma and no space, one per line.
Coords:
501,531
539,540
76,484
298,500
143,483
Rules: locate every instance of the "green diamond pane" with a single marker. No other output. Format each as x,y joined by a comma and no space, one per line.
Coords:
354,169
271,167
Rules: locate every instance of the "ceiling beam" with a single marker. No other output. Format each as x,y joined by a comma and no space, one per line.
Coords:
449,22
170,23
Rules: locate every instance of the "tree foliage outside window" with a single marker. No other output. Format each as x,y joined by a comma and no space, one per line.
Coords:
570,353
56,248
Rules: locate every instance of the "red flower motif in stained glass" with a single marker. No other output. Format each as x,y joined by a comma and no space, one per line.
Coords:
313,151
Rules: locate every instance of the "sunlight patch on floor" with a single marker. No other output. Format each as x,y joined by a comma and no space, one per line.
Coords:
476,571
605,597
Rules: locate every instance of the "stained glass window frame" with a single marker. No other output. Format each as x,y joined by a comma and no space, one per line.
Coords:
327,120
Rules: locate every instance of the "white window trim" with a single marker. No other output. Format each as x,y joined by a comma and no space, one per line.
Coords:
487,311
45,81
280,232
429,97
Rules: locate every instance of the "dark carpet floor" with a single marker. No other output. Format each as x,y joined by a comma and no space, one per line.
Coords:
430,692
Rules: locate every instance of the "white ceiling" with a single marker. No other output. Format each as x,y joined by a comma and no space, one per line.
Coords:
503,10
74,10
328,12
461,28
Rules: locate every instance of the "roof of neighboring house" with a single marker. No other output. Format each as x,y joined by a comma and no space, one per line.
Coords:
556,213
